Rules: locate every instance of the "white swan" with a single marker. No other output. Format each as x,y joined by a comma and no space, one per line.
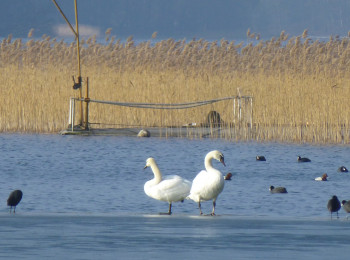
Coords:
208,184
170,188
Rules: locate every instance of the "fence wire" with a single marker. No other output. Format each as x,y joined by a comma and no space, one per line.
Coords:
163,105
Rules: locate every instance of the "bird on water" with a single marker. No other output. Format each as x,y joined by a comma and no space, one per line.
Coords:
333,205
260,158
208,183
322,178
278,189
228,176
13,199
346,205
303,159
342,169
171,188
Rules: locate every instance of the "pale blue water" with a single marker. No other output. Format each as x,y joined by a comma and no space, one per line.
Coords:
84,199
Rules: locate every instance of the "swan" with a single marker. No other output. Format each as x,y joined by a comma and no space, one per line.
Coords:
208,183
170,188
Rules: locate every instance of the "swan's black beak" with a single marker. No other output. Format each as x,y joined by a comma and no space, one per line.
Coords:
145,167
222,160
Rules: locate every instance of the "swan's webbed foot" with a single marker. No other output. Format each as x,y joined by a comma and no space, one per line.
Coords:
165,213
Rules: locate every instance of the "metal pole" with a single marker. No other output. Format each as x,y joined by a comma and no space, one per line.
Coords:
73,114
65,18
78,54
240,109
70,113
234,110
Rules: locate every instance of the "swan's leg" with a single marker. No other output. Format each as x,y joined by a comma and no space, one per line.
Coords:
200,209
169,212
214,204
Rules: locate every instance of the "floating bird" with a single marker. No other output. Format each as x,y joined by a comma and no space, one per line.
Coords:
208,183
144,133
13,199
342,169
228,177
170,188
278,189
333,205
301,159
346,205
260,158
322,178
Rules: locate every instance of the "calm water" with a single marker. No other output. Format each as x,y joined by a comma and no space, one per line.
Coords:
84,199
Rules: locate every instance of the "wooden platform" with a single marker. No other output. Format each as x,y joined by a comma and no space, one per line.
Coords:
193,132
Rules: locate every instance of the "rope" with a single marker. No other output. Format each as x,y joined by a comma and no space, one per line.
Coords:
162,105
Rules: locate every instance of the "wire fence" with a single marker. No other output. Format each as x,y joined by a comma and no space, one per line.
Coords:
242,107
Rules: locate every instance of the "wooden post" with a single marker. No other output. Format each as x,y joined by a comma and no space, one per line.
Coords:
87,100
251,112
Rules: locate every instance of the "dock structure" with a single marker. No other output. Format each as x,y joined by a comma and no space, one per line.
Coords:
242,109
184,132
213,126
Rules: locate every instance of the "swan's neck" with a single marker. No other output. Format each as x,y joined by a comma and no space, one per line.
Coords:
208,162
157,174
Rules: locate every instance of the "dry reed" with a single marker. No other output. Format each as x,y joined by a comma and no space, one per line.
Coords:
299,85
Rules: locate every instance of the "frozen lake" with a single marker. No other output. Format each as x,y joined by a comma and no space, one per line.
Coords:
83,198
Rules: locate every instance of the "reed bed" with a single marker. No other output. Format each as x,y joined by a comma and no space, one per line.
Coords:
300,86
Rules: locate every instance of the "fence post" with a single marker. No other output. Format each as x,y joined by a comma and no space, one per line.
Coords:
73,113
251,112
234,110
70,113
87,100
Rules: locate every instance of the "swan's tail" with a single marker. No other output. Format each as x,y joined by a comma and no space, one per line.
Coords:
193,197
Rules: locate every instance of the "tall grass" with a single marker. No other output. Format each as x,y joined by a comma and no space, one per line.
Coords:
300,86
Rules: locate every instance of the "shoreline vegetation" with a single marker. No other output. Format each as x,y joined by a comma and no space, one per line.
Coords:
300,86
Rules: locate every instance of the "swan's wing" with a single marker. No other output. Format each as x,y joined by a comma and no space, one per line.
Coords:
172,188
198,185
199,181
206,186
